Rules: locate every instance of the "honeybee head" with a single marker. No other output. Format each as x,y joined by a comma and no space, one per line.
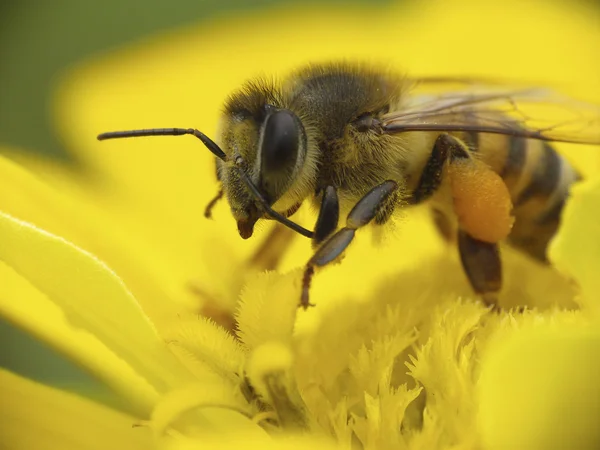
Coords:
262,160
271,144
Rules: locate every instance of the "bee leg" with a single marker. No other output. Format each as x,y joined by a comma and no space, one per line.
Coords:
272,249
363,212
444,225
212,203
387,207
446,148
329,215
481,262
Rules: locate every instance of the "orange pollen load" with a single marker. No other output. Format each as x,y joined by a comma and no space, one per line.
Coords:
481,201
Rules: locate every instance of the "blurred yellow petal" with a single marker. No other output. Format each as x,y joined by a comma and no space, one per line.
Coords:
268,370
37,417
82,221
194,409
576,249
79,210
23,305
254,442
61,293
539,390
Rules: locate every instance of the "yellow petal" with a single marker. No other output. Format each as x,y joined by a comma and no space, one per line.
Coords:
82,221
576,249
268,359
539,390
253,441
34,416
22,304
379,426
194,409
444,366
267,310
206,347
268,370
63,295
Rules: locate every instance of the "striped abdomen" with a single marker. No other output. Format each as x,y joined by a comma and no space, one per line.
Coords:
538,179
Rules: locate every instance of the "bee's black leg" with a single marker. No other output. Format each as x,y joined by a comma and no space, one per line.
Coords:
481,262
446,148
271,251
329,215
212,203
387,207
363,212
444,225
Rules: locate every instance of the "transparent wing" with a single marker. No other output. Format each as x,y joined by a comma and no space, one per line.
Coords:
492,107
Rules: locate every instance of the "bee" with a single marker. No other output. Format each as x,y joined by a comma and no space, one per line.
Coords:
365,142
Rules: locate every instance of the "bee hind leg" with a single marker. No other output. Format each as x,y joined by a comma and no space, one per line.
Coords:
482,265
447,149
365,210
479,255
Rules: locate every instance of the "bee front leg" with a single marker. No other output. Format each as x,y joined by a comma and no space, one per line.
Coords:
363,212
212,203
329,215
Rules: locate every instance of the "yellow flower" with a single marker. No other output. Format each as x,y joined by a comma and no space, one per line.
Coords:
112,270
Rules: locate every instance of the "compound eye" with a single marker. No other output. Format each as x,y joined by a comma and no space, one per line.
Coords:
280,142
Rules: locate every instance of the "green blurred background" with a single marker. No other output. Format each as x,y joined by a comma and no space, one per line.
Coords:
40,39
